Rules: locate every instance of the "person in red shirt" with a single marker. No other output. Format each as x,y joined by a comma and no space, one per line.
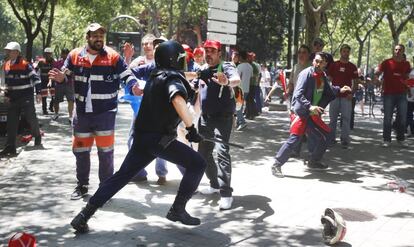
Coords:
395,71
342,73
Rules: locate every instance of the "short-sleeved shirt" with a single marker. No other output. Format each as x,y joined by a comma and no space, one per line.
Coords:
245,71
211,103
394,75
342,74
157,113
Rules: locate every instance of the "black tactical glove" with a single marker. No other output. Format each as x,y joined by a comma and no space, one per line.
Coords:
193,135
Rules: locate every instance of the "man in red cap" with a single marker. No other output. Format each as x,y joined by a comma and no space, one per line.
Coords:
216,121
199,56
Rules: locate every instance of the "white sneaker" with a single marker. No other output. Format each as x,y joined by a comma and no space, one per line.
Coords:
402,144
209,191
386,144
225,203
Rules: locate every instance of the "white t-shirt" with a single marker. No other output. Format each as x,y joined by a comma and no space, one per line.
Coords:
265,79
246,72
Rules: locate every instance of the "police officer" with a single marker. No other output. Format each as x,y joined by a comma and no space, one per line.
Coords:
20,79
163,107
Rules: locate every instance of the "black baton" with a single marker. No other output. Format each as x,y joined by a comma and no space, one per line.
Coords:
223,142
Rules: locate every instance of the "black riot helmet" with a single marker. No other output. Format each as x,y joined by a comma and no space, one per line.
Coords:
170,55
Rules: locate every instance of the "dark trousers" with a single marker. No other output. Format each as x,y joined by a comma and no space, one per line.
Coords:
44,104
410,116
317,144
16,107
217,126
146,148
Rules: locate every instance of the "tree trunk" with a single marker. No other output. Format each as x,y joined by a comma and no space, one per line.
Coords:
360,52
29,46
170,20
289,45
314,19
51,20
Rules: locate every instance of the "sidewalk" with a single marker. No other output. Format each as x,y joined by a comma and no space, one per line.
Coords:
35,188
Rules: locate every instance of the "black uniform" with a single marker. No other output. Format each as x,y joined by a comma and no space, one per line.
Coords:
155,136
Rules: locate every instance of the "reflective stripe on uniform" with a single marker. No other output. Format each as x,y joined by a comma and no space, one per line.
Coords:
96,77
81,78
104,96
83,135
19,87
125,73
106,149
83,149
104,132
116,77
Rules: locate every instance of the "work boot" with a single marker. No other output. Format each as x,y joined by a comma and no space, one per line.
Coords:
177,213
80,222
8,151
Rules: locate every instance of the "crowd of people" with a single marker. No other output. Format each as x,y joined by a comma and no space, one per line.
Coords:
195,94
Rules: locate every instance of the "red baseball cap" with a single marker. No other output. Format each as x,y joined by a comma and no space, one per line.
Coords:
198,51
212,44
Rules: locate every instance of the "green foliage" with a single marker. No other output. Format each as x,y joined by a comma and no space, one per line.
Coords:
262,22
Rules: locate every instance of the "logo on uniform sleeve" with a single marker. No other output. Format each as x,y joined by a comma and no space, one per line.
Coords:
181,55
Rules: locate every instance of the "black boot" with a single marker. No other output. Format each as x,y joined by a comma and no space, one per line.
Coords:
8,151
177,213
80,222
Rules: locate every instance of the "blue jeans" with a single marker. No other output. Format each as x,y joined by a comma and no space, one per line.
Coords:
239,114
344,106
144,150
391,102
219,174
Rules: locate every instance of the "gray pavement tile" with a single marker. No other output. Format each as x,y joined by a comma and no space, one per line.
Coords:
267,211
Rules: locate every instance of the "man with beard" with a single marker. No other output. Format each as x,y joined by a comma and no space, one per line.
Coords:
96,70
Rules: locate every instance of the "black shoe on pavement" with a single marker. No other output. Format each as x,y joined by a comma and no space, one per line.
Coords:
316,165
80,222
45,113
80,192
183,217
8,151
178,213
